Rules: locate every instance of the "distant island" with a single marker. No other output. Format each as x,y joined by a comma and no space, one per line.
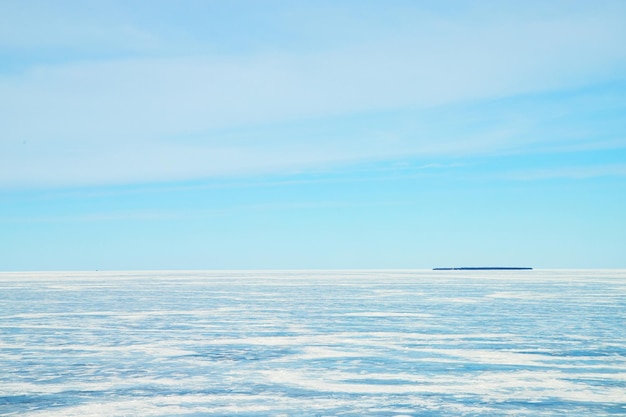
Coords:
484,268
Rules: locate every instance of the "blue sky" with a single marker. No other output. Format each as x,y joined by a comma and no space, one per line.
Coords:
312,134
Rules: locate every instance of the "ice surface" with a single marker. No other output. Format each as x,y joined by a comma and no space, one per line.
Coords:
311,343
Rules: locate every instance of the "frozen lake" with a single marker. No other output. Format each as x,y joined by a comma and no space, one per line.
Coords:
311,343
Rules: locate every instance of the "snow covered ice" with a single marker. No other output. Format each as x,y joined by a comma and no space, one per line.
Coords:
313,343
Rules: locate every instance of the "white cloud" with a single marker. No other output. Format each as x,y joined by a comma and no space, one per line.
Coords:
571,172
122,120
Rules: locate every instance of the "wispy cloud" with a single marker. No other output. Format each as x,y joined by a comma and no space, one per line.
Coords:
160,215
128,119
572,172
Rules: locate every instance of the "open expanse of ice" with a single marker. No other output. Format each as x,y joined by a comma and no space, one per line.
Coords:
311,343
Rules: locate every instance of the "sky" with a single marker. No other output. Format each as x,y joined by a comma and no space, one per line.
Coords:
312,134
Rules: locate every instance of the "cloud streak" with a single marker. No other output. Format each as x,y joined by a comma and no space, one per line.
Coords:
126,120
579,172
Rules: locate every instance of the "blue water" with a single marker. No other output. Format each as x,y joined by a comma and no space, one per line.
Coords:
333,343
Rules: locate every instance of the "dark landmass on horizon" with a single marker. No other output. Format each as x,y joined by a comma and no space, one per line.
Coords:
484,268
